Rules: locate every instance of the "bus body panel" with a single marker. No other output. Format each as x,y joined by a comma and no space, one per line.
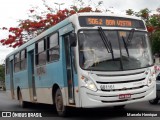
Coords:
7,82
31,47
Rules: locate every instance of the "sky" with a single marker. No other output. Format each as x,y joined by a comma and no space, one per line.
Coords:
13,10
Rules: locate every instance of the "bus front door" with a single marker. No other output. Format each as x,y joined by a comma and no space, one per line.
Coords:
32,87
11,79
69,70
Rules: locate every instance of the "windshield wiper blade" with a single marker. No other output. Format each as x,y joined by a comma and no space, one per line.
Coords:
130,36
125,45
106,42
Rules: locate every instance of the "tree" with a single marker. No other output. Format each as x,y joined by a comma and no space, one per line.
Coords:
130,12
153,26
144,14
30,28
156,42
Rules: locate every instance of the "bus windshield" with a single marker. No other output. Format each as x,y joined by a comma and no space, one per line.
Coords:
125,54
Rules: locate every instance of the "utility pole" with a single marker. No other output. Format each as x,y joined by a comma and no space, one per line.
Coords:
59,4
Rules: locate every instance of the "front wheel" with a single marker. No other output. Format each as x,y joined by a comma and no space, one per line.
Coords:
153,102
61,109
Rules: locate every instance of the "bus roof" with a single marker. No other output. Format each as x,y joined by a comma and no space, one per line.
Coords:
68,20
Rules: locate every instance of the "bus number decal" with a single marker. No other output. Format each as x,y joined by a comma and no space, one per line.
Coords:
41,71
95,21
107,87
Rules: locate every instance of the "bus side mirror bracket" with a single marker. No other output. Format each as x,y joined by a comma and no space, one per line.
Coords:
73,39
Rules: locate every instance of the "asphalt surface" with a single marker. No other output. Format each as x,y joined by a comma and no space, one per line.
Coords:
136,111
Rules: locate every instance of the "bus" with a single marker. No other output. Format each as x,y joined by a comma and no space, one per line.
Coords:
88,60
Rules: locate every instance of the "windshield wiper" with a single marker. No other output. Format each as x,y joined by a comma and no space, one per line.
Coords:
125,45
130,36
106,42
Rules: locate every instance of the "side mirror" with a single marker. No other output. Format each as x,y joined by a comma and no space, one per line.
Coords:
73,39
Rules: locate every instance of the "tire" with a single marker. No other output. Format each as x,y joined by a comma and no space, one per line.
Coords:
60,108
119,107
21,102
153,102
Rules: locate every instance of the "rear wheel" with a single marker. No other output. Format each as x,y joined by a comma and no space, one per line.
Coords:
154,101
60,108
21,102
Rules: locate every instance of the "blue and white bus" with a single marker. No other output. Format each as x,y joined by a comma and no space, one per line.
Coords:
88,60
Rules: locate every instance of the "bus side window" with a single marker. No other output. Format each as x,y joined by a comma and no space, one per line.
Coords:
17,62
23,59
41,52
53,48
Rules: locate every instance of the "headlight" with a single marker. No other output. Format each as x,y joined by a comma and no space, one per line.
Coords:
88,83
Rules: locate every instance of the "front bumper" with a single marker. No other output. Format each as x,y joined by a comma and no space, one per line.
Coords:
92,99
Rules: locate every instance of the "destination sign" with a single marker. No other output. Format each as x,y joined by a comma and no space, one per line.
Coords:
86,21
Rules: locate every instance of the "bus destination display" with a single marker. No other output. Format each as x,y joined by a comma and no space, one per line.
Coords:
86,21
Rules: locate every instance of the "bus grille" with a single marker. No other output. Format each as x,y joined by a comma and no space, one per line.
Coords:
123,83
133,88
118,82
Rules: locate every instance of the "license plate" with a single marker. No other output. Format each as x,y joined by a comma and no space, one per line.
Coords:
124,96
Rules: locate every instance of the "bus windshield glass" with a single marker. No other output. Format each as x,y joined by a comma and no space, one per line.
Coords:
125,54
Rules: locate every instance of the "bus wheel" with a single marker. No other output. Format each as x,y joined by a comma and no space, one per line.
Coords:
61,109
21,102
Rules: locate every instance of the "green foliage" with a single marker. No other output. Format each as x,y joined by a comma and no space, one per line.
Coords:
130,12
144,13
155,20
155,39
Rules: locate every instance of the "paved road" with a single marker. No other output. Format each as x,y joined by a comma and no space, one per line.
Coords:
81,114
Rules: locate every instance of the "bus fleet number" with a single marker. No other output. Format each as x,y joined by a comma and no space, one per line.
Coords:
107,87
